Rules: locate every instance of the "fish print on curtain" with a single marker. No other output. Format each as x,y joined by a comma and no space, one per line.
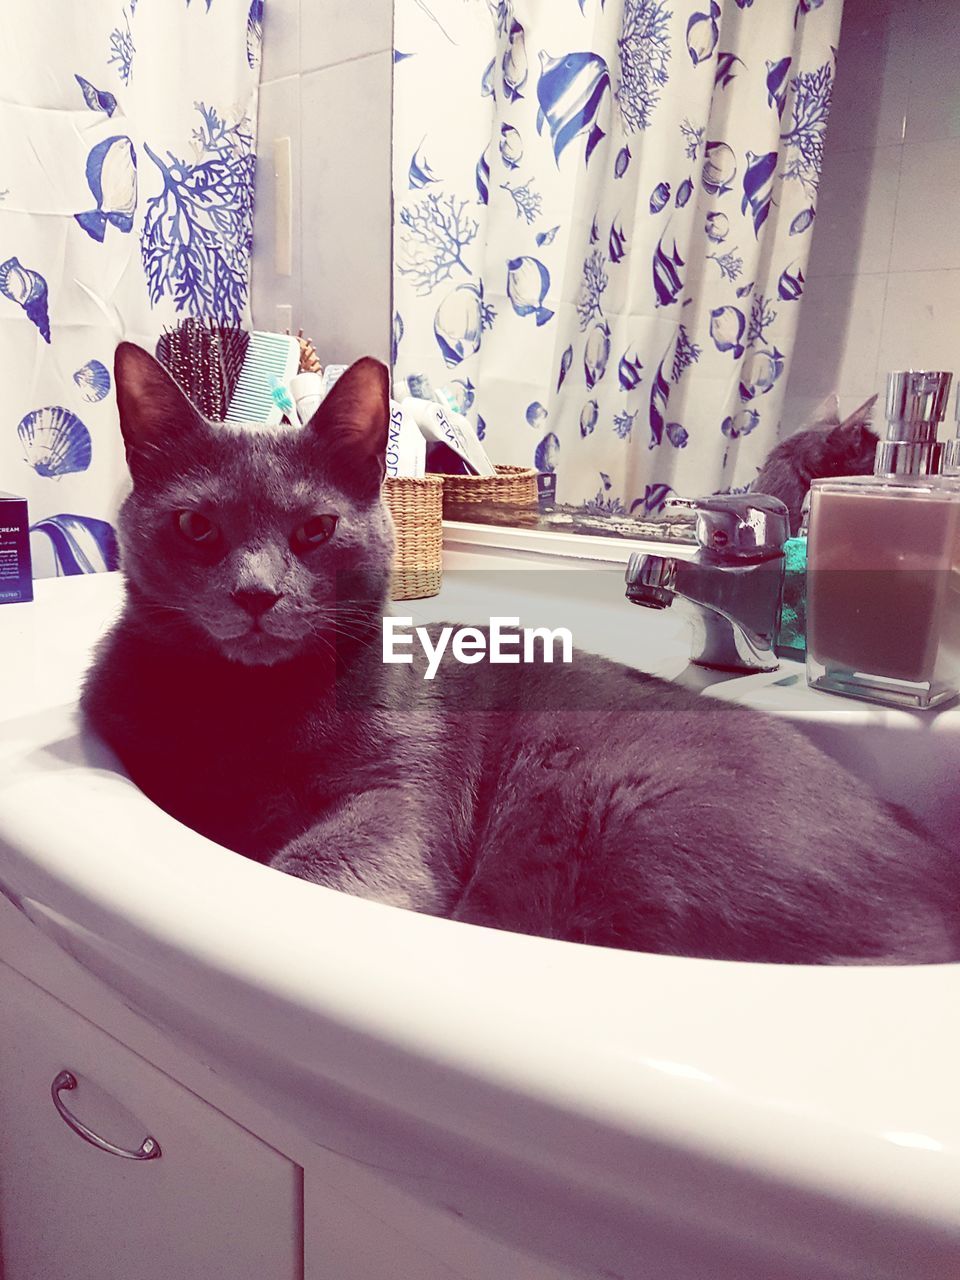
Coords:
604,211
126,201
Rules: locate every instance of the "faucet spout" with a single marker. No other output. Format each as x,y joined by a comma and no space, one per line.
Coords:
732,589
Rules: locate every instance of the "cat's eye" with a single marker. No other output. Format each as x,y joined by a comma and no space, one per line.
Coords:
196,527
313,532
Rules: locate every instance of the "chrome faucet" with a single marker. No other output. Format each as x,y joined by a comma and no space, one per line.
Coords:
733,586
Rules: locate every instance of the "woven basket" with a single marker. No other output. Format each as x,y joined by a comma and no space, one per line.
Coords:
511,487
416,506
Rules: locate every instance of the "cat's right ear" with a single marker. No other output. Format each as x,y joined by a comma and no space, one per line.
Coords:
154,412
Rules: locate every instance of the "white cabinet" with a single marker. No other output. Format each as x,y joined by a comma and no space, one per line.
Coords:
217,1203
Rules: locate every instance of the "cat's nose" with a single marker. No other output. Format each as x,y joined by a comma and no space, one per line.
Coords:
256,603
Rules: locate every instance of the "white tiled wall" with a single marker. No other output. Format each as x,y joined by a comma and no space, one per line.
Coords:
883,285
326,84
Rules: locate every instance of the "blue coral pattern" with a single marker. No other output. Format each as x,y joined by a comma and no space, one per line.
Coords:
604,232
154,140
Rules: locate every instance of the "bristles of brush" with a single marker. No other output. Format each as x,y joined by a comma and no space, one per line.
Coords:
309,360
205,358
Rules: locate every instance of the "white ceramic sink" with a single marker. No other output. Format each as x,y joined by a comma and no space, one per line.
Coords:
744,1121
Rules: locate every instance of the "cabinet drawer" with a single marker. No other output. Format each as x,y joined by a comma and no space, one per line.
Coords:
216,1203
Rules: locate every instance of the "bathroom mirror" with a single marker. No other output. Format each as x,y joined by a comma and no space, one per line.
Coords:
637,246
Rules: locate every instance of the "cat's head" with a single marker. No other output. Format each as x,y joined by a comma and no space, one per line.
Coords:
241,538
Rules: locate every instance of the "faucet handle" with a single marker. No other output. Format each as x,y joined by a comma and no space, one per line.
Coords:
741,526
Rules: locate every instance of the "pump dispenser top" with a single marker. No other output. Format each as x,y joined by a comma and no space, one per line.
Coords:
916,405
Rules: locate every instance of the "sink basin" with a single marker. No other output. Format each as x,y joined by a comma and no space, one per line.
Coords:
732,1120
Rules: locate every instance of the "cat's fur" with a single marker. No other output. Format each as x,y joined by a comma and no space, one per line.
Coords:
584,802
828,447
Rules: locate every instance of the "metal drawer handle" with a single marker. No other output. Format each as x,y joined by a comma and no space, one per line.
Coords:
149,1147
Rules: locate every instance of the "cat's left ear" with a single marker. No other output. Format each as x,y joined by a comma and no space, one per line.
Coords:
153,409
351,427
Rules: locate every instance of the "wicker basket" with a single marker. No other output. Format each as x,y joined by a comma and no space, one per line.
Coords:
511,487
416,506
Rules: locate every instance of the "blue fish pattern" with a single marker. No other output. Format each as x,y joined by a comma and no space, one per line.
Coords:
777,73
463,391
514,66
547,453
659,197
588,418
622,162
528,283
596,353
396,335
802,221
726,71
666,277
254,33
617,246
55,442
659,395
81,544
740,424
547,237
654,499
112,178
790,286
566,360
96,99
684,192
703,32
758,181
571,92
28,289
719,168
536,414
511,146
419,173
761,370
487,87
483,179
629,371
93,381
481,428
727,327
677,435
717,227
458,324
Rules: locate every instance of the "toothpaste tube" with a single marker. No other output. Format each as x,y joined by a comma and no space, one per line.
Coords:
406,447
452,430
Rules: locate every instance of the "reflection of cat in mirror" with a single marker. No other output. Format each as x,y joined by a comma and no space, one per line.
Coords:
244,689
827,447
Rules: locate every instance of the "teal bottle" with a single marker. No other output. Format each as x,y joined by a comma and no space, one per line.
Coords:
792,638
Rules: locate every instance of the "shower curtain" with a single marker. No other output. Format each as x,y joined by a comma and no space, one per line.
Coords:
126,193
603,211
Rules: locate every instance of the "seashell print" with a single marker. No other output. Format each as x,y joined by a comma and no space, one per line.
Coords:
96,99
677,435
716,227
55,442
547,237
684,192
93,379
536,414
547,454
81,544
719,168
802,220
622,161
27,289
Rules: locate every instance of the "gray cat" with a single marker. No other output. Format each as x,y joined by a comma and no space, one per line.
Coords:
828,447
244,691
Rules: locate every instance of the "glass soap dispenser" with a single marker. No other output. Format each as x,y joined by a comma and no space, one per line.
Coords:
883,563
